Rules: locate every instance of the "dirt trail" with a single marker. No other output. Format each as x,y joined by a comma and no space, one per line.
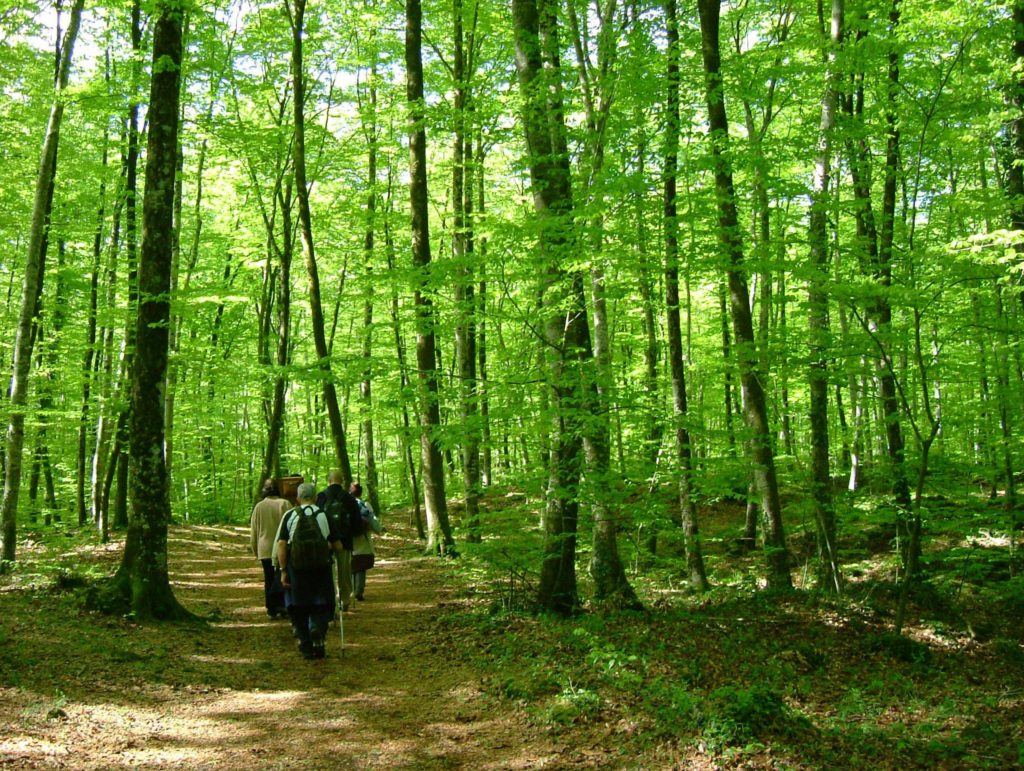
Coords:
238,695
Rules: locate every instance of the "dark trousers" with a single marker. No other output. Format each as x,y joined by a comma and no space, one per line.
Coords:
273,594
310,623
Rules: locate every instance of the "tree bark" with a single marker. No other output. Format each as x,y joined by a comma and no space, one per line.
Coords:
464,258
565,333
142,581
876,262
829,578
598,81
366,384
763,456
91,326
275,422
30,290
296,16
439,535
410,461
697,575
486,475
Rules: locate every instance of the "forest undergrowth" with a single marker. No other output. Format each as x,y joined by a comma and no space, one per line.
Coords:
446,666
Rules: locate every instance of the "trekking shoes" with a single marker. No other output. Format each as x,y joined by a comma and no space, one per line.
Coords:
319,651
307,650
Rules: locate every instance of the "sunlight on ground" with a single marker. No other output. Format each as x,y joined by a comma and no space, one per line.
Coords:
30,748
223,660
986,540
154,737
210,585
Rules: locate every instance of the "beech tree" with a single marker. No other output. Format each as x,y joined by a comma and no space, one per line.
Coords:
142,581
439,536
31,288
631,226
762,452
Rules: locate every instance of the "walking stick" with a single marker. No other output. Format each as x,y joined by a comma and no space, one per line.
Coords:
341,607
341,628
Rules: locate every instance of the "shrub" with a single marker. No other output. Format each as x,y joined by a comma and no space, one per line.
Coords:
737,716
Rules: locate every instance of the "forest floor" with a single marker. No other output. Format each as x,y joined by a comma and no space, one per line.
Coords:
440,670
91,692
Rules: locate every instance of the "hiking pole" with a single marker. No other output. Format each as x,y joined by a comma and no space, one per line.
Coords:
341,607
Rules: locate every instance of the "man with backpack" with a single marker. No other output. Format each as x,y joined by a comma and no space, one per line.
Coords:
305,542
343,512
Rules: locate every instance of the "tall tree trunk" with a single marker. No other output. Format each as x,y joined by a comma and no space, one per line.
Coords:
1015,191
818,327
562,297
876,262
296,13
723,310
275,422
743,329
439,535
91,325
142,583
365,386
486,476
1004,399
882,323
109,392
611,587
403,371
119,460
464,257
30,291
697,575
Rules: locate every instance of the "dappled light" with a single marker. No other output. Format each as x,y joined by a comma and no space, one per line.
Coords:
218,696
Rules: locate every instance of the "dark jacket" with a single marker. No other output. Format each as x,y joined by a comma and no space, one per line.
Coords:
348,505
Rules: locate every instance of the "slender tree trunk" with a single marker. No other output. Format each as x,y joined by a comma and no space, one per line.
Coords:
91,326
877,263
296,13
611,587
882,307
1005,422
403,370
697,575
142,581
723,309
275,423
439,535
109,391
652,394
562,295
30,291
818,328
730,235
1015,191
464,258
486,476
365,386
119,461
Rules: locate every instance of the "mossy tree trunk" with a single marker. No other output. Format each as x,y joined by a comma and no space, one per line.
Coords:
142,582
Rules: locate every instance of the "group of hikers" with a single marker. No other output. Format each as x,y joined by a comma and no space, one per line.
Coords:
304,548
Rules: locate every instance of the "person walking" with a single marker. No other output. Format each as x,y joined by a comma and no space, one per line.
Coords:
343,511
263,526
304,545
362,544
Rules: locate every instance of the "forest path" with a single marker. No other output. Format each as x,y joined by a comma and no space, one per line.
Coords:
237,695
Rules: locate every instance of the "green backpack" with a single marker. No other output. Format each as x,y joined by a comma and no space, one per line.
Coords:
308,549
